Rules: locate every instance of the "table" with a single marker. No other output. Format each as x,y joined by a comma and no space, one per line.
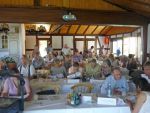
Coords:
57,104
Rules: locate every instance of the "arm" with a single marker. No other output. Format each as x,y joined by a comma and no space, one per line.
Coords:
5,89
140,101
27,87
32,70
104,86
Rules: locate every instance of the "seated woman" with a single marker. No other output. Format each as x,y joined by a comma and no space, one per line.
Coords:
58,70
75,71
11,86
143,100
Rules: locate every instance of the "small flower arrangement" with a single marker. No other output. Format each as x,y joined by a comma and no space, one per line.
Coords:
8,60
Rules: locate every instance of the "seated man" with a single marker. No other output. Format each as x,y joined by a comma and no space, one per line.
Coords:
58,70
38,61
118,83
92,70
25,68
75,71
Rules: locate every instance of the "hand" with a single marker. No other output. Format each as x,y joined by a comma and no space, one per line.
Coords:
117,92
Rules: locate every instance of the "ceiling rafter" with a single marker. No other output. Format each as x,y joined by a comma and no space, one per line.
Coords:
102,30
68,29
77,29
58,28
131,7
94,29
144,2
86,29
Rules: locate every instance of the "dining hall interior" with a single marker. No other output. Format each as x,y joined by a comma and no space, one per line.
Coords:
74,56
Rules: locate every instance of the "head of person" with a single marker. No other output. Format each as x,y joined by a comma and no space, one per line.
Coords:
93,63
24,59
37,54
65,46
57,62
92,47
76,66
111,56
147,68
116,73
142,84
76,52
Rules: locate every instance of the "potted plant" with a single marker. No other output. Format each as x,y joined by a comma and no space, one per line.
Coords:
10,62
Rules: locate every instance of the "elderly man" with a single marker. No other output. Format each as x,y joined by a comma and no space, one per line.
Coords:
92,70
25,68
117,82
38,61
66,50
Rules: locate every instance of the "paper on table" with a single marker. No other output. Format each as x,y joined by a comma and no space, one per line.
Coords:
106,101
86,99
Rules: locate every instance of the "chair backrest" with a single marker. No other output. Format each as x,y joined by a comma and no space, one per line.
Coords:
82,87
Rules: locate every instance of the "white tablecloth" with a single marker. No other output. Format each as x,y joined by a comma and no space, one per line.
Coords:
58,105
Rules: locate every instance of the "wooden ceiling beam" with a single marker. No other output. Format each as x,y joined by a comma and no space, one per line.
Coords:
78,29
144,2
68,29
86,29
58,28
94,29
54,15
131,6
102,30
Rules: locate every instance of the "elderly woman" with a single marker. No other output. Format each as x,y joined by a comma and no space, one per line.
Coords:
11,86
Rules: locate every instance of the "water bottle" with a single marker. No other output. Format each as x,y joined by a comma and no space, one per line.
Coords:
109,93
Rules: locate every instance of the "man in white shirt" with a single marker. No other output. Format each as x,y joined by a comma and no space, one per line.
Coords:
66,50
25,68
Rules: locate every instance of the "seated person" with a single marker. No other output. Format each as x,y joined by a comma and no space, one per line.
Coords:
146,74
77,57
143,99
75,70
118,83
67,62
38,61
25,68
58,70
11,86
92,70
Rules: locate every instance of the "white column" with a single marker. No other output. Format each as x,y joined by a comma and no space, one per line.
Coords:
22,39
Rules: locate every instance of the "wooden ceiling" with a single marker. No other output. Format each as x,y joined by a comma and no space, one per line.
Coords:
141,7
63,29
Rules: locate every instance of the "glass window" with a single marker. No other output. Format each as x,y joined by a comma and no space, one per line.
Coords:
4,42
42,47
117,44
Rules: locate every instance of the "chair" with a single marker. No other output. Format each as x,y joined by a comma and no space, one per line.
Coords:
82,87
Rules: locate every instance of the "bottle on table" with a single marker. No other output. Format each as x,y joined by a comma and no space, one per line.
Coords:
109,91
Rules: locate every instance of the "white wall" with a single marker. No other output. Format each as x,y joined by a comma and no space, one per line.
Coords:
16,42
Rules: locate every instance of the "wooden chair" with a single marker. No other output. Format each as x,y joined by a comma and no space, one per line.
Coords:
82,87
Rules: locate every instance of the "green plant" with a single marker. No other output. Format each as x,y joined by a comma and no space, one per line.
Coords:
8,60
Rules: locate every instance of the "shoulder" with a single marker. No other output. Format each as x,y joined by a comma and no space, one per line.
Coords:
142,97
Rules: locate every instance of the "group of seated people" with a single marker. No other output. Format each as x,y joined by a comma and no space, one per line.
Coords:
63,65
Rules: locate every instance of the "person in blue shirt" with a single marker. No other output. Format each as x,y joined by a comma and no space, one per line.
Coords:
117,81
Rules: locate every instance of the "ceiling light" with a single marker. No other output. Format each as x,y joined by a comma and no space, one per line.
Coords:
69,17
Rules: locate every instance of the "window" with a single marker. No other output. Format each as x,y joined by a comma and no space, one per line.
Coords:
4,42
117,44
